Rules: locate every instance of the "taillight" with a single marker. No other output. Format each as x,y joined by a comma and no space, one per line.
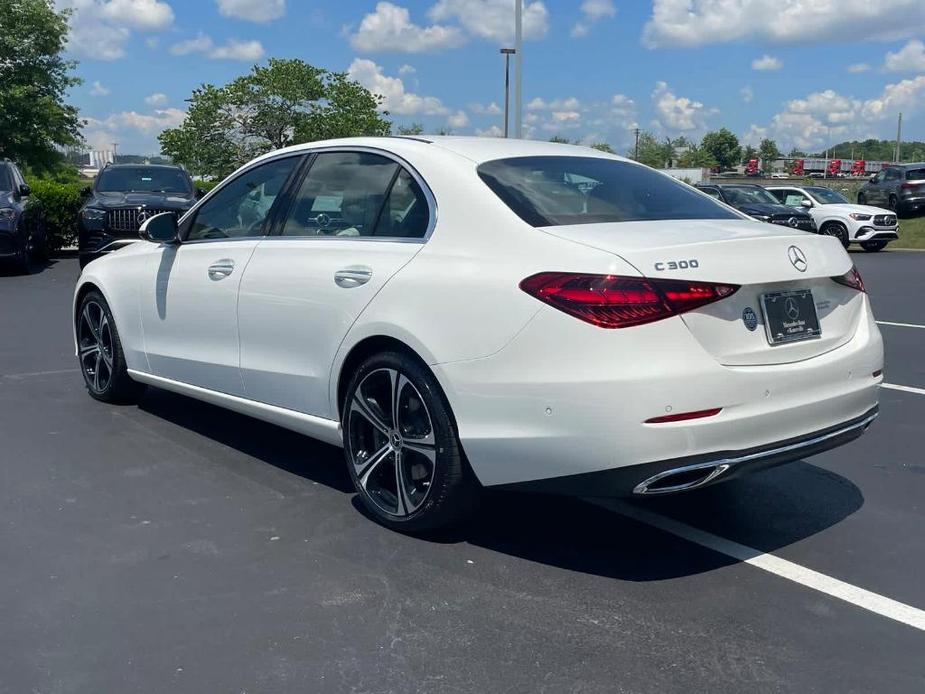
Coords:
907,186
852,279
610,301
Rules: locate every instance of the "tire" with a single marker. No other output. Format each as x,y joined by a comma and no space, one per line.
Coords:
411,475
894,204
100,356
873,246
836,230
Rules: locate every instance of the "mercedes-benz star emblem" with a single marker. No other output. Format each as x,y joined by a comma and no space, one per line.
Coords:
142,217
322,220
792,309
797,258
794,222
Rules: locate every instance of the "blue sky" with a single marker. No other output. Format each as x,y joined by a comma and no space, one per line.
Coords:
799,71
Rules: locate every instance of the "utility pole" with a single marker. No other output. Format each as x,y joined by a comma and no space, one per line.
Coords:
636,156
519,84
899,137
507,53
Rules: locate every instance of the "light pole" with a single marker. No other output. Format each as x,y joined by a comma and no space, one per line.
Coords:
507,53
519,84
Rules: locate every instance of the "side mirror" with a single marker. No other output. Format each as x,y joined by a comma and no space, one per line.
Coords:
200,193
25,191
872,178
805,203
161,228
86,191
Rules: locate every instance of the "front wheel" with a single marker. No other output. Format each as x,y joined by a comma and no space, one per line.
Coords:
873,246
838,231
99,352
401,446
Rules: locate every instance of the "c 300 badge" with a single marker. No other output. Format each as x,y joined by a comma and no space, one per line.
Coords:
750,318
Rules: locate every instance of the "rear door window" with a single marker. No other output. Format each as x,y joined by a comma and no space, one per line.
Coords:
556,190
915,174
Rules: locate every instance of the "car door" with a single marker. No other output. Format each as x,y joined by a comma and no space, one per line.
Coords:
874,192
891,180
356,218
190,291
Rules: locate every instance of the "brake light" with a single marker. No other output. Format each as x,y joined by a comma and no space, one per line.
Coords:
611,301
852,279
910,185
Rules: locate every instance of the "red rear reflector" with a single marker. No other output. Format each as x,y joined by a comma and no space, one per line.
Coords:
611,301
684,416
909,185
852,279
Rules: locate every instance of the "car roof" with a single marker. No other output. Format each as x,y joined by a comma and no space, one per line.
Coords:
476,149
918,165
731,185
145,166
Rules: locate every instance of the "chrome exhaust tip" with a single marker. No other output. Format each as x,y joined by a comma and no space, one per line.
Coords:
680,479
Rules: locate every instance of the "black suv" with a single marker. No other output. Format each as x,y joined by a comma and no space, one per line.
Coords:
122,198
900,187
22,233
757,202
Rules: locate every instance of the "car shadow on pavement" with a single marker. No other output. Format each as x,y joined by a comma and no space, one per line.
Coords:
8,269
766,511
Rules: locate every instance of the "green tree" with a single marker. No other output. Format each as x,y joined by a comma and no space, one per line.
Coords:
34,80
768,152
797,153
696,157
560,140
749,153
603,147
652,152
283,103
413,129
723,146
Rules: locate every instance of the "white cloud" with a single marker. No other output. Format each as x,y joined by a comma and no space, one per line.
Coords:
389,28
156,99
491,109
678,113
99,89
593,11
231,50
858,67
117,127
395,99
407,70
819,118
253,10
767,63
458,120
754,135
100,29
623,109
567,104
747,94
493,19
493,131
238,50
910,58
689,23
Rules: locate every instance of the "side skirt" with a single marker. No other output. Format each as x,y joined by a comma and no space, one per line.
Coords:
327,430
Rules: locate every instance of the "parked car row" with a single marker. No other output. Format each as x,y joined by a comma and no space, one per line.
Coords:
811,208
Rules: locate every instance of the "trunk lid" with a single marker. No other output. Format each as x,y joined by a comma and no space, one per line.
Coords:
760,258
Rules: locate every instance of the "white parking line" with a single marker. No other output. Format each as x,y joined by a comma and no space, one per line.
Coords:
865,599
904,389
900,325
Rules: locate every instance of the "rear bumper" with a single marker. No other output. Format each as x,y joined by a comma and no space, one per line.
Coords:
566,399
695,472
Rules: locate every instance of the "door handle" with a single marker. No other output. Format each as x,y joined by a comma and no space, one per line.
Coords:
220,269
351,277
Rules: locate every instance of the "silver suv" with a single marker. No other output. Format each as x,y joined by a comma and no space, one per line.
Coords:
899,187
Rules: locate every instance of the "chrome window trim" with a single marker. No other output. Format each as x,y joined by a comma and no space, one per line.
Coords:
308,151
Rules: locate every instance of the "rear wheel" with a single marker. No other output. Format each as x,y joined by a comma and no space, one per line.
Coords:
99,352
873,246
401,446
836,230
894,204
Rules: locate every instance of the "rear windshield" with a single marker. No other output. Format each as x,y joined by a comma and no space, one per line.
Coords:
915,174
143,180
556,191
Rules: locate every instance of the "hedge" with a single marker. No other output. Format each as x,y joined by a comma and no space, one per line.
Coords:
59,204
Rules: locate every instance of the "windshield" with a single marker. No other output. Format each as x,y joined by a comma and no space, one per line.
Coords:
827,196
556,191
143,180
745,195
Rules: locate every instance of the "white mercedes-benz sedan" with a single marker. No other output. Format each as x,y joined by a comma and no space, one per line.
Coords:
459,313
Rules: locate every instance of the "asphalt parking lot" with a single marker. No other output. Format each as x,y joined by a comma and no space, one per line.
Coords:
176,547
